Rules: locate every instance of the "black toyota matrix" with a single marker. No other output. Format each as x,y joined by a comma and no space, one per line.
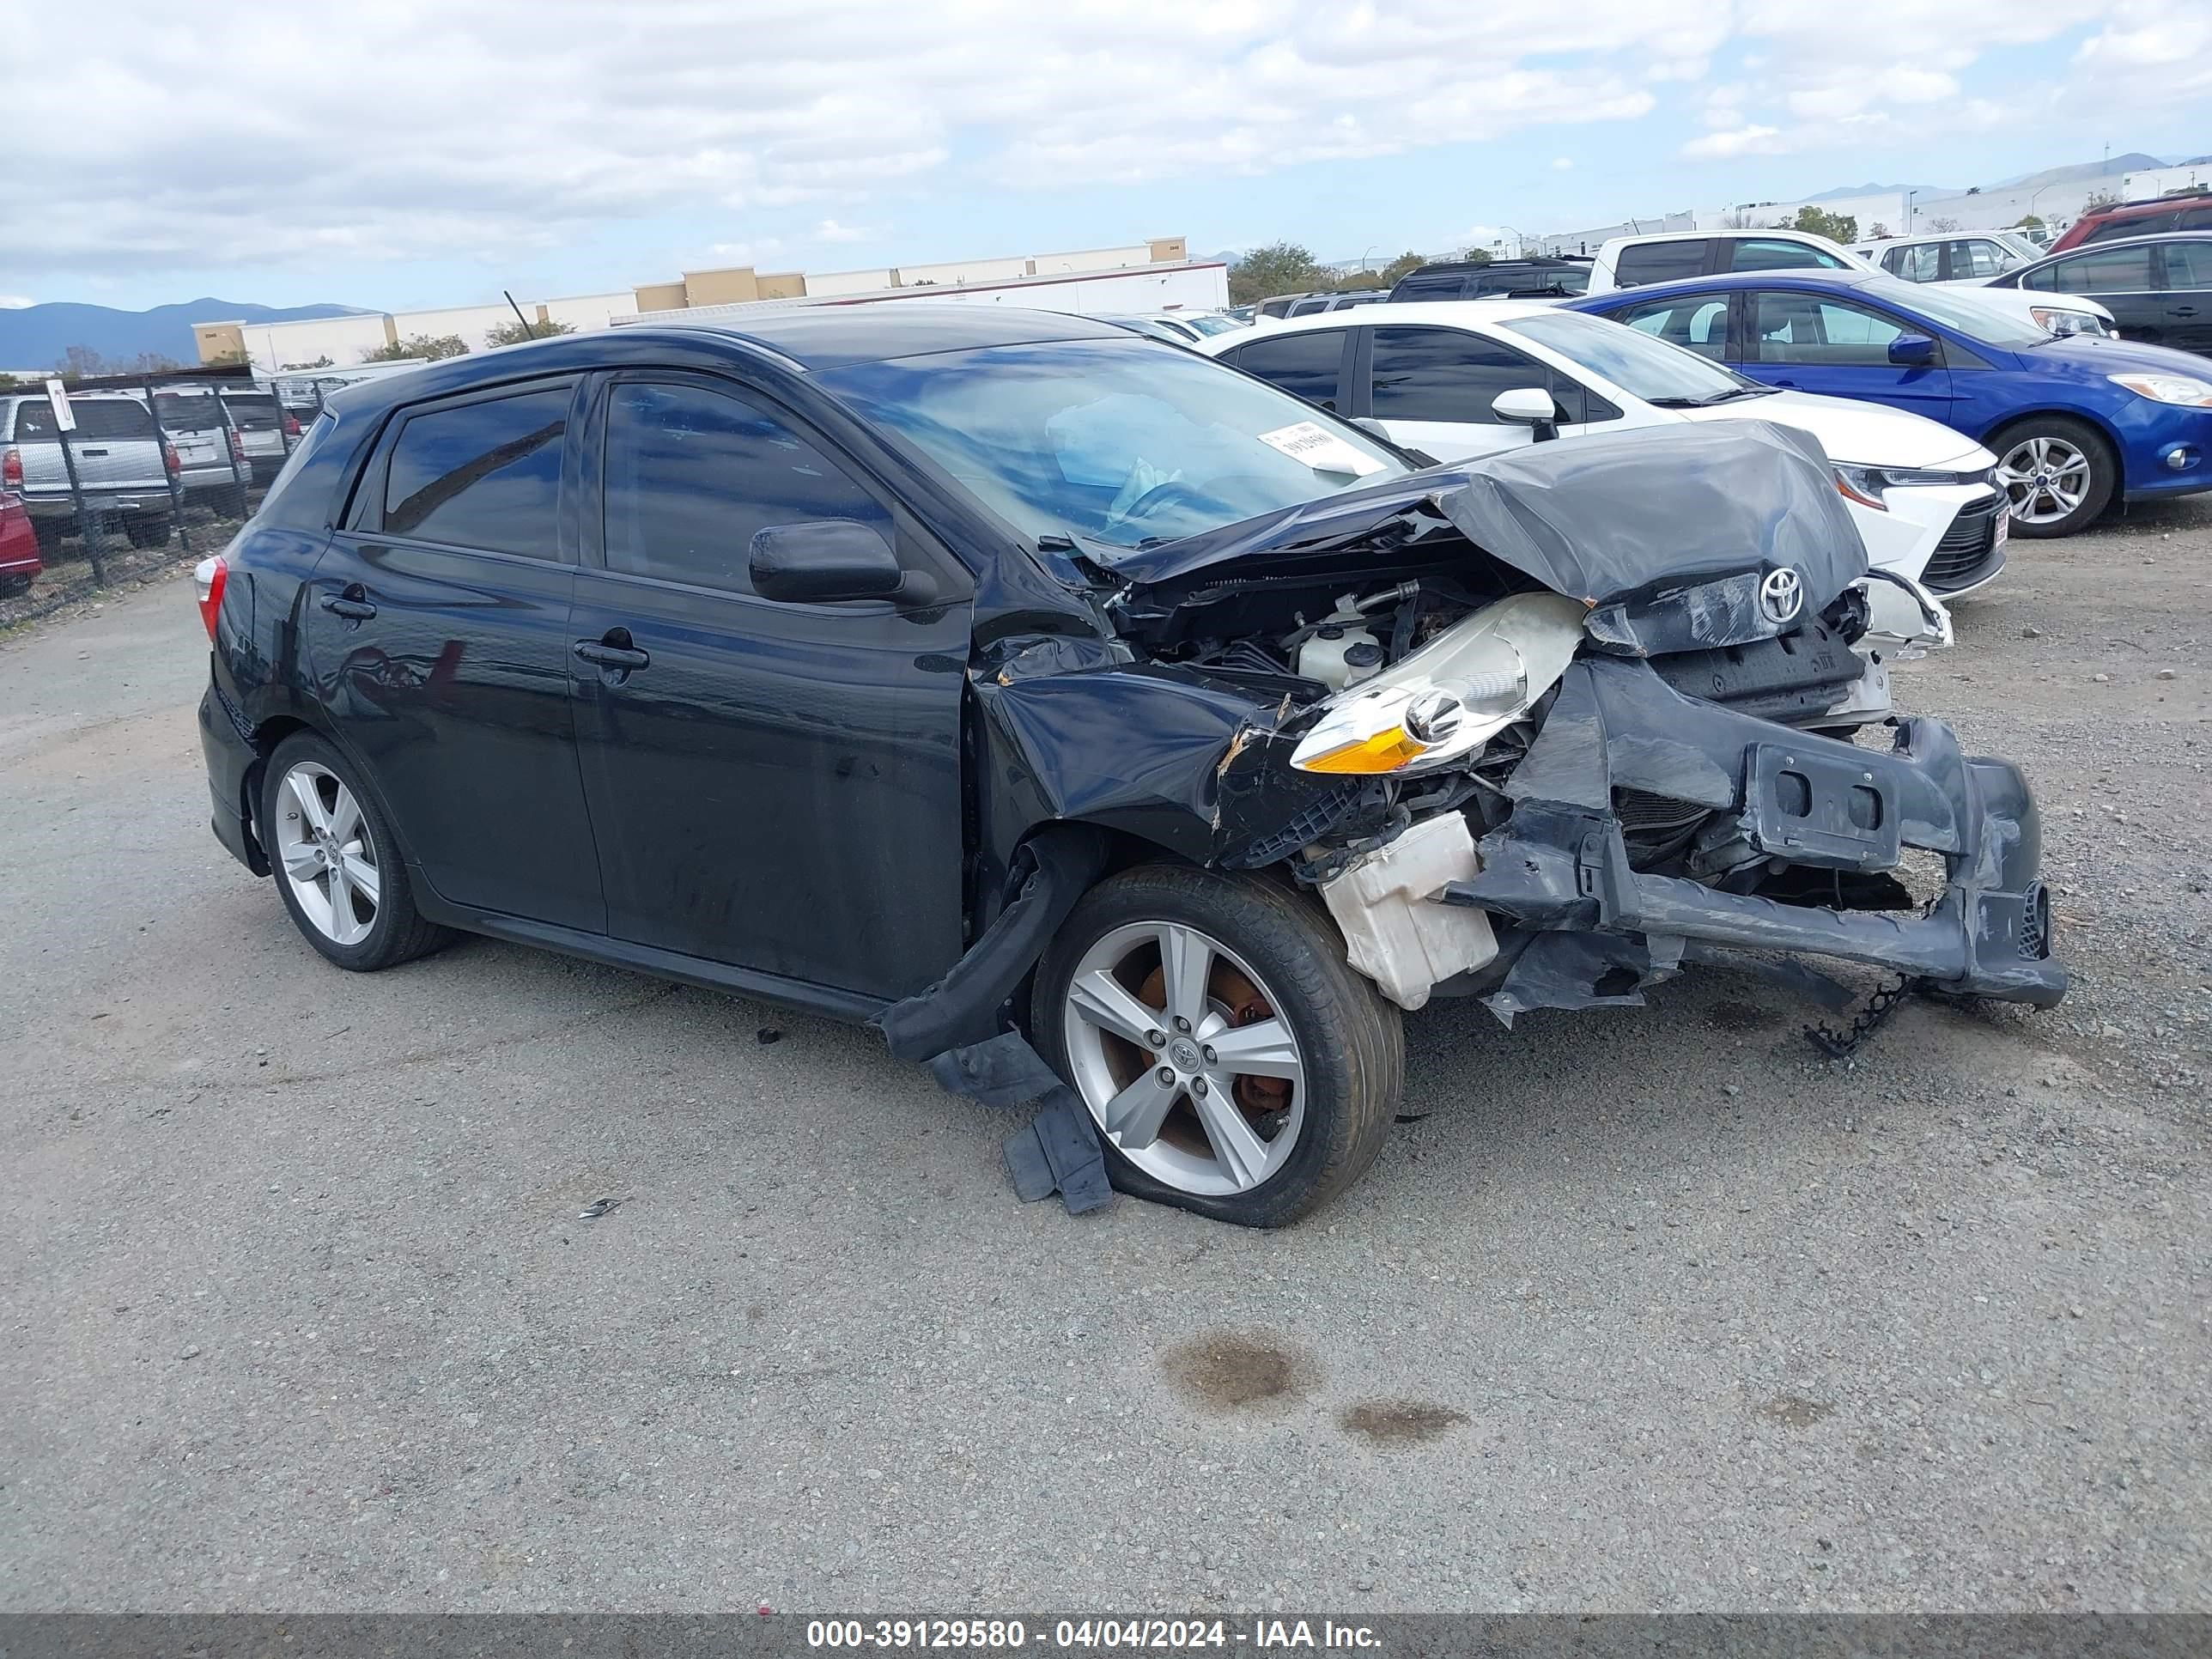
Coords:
971,670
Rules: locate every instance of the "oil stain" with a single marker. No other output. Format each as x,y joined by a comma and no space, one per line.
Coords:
1793,1410
1398,1422
1738,1016
1233,1370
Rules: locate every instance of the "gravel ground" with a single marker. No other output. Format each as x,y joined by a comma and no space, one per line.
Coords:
1655,1309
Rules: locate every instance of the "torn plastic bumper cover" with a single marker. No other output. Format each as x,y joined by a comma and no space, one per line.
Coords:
1559,865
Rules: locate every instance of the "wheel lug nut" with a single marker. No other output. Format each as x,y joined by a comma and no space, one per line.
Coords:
1158,1039
1198,1085
1210,1055
1181,1024
1167,1074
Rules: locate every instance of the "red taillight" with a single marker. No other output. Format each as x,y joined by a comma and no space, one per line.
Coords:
11,468
208,577
291,424
170,463
237,446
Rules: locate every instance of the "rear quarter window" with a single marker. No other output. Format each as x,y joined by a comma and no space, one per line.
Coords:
1430,285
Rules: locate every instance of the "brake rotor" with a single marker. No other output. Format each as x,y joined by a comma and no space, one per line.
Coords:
1265,1100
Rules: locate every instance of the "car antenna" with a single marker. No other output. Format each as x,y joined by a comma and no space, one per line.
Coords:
529,330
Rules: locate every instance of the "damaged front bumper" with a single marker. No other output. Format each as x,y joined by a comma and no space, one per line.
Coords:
1581,926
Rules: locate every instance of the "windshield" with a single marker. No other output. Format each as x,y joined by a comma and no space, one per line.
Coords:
1207,322
1978,319
1642,367
1120,441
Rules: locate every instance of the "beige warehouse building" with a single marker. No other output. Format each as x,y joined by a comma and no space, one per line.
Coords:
344,342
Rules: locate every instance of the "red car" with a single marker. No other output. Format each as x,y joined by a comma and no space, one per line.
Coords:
18,546
2190,210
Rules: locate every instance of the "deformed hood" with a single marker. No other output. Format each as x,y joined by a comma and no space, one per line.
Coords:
1595,519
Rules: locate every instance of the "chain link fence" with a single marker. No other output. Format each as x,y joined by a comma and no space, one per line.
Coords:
122,474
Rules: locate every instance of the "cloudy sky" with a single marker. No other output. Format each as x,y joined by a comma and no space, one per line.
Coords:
399,155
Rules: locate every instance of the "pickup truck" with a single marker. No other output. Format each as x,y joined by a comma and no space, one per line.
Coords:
123,465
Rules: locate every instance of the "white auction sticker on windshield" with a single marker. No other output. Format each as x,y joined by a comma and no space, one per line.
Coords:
1320,449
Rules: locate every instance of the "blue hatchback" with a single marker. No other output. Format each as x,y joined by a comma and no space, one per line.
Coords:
2076,422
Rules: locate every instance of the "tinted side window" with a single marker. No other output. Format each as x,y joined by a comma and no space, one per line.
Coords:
692,474
2198,218
2116,271
1660,262
1441,374
2146,224
1304,365
1430,285
1307,307
1754,253
484,474
1697,322
2188,265
1802,328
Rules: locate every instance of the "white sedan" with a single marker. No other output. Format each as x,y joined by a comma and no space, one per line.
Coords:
1451,379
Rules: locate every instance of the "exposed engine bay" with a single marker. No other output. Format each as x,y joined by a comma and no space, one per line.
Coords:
1533,741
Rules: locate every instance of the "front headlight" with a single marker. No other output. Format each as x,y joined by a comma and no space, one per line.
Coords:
2057,319
1412,728
1865,484
2167,388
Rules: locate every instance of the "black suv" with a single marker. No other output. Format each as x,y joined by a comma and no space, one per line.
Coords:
957,668
1495,279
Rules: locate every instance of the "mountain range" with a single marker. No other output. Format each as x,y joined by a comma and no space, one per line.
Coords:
39,337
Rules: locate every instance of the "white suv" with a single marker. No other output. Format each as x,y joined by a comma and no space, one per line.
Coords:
1633,261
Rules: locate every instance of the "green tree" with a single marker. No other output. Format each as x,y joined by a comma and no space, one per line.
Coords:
1836,227
1880,233
2028,221
516,332
1278,268
1405,261
430,348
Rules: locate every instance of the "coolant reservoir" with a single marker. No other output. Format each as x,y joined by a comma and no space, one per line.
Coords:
1339,656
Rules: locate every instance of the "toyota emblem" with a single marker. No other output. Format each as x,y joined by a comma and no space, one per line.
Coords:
1781,595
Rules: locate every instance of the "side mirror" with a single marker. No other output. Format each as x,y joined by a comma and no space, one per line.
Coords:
823,560
1373,428
1911,351
1529,406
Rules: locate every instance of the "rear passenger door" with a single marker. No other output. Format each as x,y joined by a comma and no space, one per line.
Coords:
2123,280
437,632
774,785
1311,364
1809,342
2187,295
1432,388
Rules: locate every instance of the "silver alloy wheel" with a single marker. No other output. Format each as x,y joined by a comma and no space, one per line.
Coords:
324,848
1205,1092
2044,478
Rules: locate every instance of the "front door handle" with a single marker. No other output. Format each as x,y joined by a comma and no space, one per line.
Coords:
613,653
351,602
2184,311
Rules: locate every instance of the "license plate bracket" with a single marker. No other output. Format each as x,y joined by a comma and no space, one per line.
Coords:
1820,810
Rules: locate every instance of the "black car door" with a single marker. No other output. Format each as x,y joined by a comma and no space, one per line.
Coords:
2187,295
437,632
774,785
2119,278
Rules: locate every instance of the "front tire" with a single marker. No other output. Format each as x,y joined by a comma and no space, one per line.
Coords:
1233,1062
336,861
2058,474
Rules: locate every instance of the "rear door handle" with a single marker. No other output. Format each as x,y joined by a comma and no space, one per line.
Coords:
351,602
2184,311
608,654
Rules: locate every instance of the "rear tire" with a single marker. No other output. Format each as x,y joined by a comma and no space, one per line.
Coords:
1275,989
336,861
2058,474
147,529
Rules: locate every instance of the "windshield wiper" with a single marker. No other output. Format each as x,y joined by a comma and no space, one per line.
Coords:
1736,391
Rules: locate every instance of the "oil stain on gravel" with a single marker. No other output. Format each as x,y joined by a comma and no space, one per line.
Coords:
1793,1410
1395,1423
1234,1370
